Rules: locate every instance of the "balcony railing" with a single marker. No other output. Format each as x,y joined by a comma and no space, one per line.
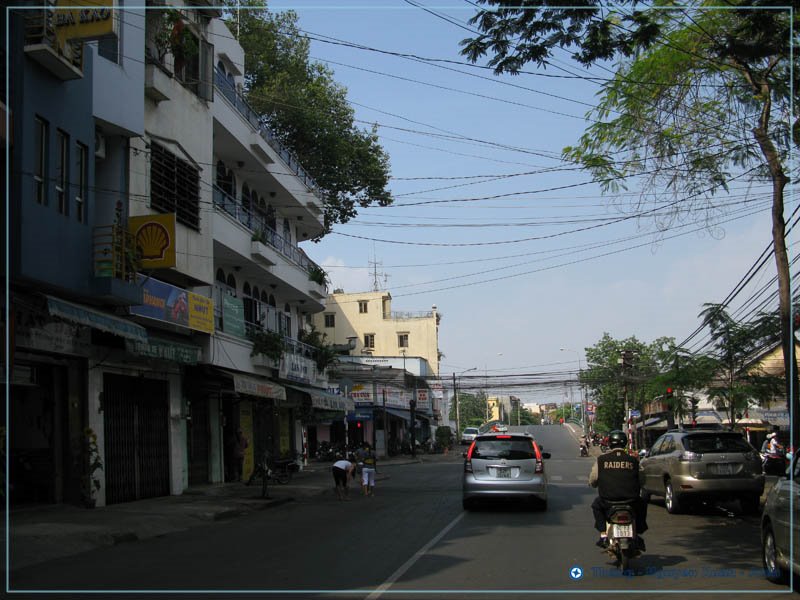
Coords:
114,253
257,122
257,224
40,31
411,315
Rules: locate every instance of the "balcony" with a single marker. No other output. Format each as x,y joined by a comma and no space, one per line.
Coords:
157,81
257,122
115,262
63,61
267,245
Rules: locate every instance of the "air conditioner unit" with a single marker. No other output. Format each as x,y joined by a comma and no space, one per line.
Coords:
99,145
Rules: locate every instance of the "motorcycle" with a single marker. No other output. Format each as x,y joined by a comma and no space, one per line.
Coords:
621,534
584,450
776,464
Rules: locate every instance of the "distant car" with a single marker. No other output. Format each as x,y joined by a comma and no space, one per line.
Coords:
468,435
695,464
777,523
500,465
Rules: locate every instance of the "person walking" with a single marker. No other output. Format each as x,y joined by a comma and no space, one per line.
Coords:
342,469
368,471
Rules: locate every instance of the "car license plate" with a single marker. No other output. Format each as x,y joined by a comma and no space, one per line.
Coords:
621,531
502,473
724,469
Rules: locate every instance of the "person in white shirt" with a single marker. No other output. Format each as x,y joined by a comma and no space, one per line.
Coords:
342,469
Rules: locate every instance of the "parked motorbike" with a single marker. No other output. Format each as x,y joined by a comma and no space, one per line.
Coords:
621,534
775,464
584,450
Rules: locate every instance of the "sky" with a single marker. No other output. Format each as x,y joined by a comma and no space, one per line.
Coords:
517,269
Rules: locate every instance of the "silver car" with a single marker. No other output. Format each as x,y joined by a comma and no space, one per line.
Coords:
777,523
468,435
686,465
502,465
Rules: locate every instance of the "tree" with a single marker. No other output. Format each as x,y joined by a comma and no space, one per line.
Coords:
698,101
472,409
735,380
309,113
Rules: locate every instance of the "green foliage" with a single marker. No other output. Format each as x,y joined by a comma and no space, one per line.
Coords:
735,380
472,409
444,436
269,343
309,112
324,354
318,275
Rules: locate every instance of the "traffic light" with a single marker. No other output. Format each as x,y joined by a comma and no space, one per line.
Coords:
358,424
670,393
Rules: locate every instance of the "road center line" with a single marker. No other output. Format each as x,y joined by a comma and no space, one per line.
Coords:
378,592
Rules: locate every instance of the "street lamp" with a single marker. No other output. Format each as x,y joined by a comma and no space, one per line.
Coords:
455,395
584,422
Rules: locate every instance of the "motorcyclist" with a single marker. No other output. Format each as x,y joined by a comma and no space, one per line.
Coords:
584,445
618,477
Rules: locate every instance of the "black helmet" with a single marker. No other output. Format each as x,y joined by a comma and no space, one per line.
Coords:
617,439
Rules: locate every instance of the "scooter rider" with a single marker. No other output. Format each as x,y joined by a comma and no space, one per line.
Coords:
618,477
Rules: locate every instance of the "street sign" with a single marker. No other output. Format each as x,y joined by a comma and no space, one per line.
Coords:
635,413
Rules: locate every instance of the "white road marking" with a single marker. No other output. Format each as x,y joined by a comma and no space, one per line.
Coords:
378,592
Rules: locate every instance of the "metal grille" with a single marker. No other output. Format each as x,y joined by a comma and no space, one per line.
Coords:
174,186
136,438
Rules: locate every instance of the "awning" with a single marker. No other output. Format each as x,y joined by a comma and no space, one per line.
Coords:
323,400
403,414
254,386
655,423
95,319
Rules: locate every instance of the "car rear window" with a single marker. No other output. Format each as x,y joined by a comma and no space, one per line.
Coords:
470,430
510,449
710,443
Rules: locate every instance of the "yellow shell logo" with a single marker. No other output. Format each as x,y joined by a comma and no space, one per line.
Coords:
152,239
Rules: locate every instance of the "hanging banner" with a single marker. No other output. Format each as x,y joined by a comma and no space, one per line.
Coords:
423,400
170,304
233,316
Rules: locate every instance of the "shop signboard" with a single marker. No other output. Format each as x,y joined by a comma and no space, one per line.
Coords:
165,350
81,20
155,239
171,304
295,367
423,400
233,315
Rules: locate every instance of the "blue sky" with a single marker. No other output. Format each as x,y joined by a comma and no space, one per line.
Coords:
512,314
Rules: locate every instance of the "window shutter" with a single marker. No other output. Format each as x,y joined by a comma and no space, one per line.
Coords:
206,88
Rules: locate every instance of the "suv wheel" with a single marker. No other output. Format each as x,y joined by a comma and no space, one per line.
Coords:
671,499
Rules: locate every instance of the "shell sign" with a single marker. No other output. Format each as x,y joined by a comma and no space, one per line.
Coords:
155,239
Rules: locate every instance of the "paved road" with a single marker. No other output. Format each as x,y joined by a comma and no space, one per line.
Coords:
414,536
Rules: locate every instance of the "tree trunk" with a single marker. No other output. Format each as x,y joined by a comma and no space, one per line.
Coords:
779,181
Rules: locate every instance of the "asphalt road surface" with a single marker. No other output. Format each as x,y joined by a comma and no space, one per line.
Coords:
414,536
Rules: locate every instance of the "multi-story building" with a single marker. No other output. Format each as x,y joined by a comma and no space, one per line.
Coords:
147,267
392,358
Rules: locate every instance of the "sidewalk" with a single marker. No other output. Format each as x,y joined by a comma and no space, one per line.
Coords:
39,534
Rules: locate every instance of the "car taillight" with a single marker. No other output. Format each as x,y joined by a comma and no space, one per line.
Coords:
503,437
470,451
690,457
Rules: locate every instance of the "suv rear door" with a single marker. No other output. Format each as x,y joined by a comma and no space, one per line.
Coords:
500,457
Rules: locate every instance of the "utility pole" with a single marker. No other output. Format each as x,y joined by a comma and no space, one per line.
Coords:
385,424
455,398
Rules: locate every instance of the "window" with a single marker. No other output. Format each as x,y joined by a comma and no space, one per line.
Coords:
362,306
175,186
62,172
83,183
402,340
194,65
40,168
369,340
330,320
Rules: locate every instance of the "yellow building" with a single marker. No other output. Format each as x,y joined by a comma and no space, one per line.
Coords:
367,322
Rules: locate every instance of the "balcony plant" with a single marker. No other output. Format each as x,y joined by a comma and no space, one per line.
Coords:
269,343
167,32
318,275
324,354
92,463
259,235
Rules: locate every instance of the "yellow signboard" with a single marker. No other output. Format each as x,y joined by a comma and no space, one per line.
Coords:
201,313
77,20
155,238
